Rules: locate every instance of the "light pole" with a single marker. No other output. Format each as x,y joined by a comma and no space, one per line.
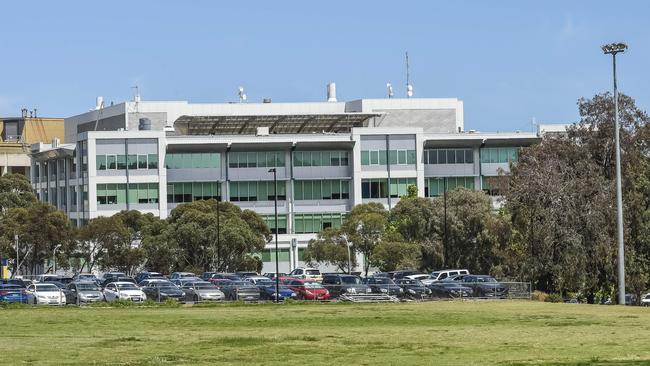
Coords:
348,245
215,262
277,265
613,49
17,261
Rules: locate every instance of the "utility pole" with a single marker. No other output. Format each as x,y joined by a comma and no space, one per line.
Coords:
277,258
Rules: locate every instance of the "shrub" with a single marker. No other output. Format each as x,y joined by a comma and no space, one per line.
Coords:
554,298
538,296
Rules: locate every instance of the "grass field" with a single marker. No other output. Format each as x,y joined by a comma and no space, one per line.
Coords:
433,333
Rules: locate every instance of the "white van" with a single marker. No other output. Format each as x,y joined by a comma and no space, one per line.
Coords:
441,275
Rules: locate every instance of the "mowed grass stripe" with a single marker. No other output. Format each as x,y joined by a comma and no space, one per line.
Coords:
433,333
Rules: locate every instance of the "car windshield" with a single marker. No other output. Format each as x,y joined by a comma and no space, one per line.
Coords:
485,279
313,272
265,282
126,286
87,287
313,285
411,282
46,287
164,285
435,274
351,280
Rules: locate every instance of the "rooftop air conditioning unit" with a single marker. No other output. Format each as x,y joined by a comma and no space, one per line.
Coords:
262,131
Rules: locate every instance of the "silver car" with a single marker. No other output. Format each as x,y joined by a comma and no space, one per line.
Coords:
83,292
202,291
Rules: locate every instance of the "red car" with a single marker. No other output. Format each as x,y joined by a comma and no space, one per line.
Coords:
306,289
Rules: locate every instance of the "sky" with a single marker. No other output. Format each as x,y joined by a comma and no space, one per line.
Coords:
509,61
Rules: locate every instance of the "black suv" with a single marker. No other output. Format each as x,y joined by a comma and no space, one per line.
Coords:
344,284
384,285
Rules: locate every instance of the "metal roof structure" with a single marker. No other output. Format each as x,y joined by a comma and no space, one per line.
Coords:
277,124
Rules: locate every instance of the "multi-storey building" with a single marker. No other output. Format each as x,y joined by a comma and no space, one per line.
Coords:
18,133
329,156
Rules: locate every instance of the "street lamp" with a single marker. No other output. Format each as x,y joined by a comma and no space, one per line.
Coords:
613,49
348,245
277,265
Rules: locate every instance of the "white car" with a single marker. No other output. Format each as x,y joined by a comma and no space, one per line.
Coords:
45,294
441,275
123,291
645,300
307,273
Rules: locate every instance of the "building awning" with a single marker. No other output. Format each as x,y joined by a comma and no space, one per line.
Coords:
277,124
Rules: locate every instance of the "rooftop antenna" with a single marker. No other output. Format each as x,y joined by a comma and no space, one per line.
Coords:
409,87
136,98
242,95
389,89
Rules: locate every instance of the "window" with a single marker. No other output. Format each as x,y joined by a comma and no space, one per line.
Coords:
321,190
101,162
142,161
153,161
320,158
189,160
499,154
132,162
112,194
374,188
399,186
111,161
256,191
392,157
282,223
260,159
436,186
316,222
449,156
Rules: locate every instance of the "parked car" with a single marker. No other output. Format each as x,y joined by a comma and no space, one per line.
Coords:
418,276
645,300
58,284
441,275
226,276
86,277
339,284
271,275
241,290
302,272
22,282
413,289
147,275
13,293
396,275
308,289
45,294
176,275
219,282
246,274
119,279
207,275
485,286
55,278
182,281
161,290
83,292
267,292
108,275
124,291
384,285
202,291
449,290
259,280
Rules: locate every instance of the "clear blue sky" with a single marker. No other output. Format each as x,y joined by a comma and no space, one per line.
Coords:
507,60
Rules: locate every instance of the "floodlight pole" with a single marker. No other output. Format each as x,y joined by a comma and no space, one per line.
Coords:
613,49
277,265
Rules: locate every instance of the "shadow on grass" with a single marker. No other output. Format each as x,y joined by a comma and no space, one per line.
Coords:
592,362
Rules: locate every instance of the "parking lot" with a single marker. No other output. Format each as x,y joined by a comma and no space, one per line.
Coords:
186,287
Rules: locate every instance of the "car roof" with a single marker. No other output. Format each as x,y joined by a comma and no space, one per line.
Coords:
121,283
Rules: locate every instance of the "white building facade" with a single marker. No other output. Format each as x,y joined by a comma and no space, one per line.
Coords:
329,157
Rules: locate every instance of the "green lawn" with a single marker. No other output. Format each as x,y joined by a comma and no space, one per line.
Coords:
433,333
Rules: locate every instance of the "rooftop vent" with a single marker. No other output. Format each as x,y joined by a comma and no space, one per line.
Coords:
266,100
55,142
145,124
331,92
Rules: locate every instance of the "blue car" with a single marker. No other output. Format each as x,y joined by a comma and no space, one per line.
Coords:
13,293
268,293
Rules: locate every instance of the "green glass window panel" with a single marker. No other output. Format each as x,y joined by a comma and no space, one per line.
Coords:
111,161
263,190
299,224
494,155
411,157
308,189
383,158
215,159
334,158
297,158
503,155
394,187
512,154
336,189
317,190
374,157
325,158
234,190
345,189
401,156
460,156
121,193
252,192
297,190
121,162
392,157
266,256
132,193
280,159
197,190
315,158
327,189
309,223
101,162
142,161
101,190
153,191
132,161
170,193
365,158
